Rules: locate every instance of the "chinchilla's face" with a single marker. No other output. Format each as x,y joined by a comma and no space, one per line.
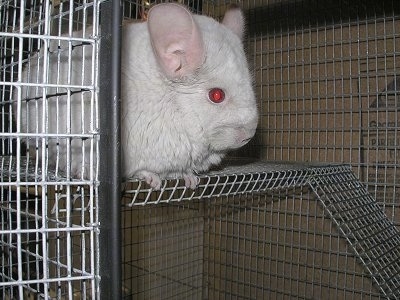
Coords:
220,95
206,73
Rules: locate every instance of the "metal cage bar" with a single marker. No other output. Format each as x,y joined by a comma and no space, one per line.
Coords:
109,177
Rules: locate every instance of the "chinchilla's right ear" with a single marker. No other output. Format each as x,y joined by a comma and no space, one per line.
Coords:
176,39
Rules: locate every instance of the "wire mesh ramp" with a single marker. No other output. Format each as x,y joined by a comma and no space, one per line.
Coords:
372,236
358,217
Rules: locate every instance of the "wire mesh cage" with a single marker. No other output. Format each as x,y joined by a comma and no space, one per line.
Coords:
258,226
49,117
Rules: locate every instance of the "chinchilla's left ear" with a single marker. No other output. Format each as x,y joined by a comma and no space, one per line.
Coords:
176,39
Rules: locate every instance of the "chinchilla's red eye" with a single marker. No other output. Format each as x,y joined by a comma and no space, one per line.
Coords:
216,95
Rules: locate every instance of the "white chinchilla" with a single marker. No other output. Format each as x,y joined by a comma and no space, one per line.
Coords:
187,95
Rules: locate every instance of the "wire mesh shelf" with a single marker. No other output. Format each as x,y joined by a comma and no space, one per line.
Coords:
256,177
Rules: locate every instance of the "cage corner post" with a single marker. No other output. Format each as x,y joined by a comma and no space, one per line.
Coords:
109,176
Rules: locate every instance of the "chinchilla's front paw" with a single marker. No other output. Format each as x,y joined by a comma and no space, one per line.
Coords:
151,179
191,180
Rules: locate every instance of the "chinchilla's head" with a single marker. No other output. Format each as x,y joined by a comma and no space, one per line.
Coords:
205,67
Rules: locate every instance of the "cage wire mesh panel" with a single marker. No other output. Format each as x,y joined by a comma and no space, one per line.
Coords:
260,230
374,239
49,122
325,77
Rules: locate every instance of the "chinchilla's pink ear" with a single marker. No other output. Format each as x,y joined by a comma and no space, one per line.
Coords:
234,20
176,39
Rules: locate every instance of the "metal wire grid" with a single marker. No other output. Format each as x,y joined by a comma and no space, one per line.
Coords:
251,178
51,261
278,245
327,78
138,9
374,239
370,234
48,221
163,251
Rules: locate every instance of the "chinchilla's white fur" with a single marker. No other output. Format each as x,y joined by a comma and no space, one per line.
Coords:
169,125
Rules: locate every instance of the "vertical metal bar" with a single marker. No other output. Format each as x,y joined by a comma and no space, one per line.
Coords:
94,150
18,206
44,151
69,193
109,175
